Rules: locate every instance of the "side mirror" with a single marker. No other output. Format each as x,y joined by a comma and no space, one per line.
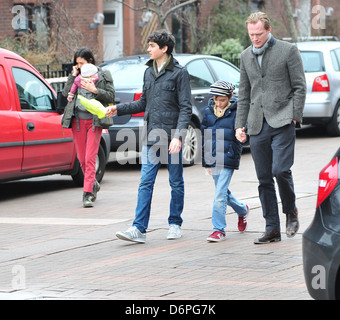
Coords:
61,103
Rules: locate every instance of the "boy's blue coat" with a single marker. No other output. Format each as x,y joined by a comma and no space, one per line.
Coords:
219,145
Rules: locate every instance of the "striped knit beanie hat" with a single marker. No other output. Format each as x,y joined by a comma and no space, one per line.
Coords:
222,88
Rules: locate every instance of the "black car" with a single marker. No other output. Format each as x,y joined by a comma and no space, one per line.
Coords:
127,73
321,241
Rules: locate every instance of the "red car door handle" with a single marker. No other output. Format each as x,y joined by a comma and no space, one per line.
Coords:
30,126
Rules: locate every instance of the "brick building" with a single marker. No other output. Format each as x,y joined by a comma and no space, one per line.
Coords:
111,29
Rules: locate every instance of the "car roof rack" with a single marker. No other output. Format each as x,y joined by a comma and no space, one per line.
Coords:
313,38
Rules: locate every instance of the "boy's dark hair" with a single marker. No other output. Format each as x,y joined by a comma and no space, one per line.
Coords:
84,53
163,38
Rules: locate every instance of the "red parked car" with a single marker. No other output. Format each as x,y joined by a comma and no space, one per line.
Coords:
32,140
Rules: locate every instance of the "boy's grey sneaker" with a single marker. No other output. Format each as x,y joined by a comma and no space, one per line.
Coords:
96,188
175,232
132,234
87,200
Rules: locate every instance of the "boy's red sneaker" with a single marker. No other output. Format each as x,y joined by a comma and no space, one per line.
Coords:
242,221
216,236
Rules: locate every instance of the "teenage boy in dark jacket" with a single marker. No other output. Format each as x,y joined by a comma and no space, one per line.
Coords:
166,101
221,153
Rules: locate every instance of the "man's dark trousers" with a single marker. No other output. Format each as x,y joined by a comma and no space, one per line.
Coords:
273,154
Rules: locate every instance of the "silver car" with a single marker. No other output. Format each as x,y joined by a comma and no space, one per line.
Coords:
127,74
321,61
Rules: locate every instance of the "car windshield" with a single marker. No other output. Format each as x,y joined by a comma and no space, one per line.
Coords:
312,61
127,73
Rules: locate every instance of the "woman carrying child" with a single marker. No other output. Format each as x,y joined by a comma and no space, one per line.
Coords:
86,127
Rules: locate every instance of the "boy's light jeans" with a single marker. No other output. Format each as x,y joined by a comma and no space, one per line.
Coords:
224,197
151,162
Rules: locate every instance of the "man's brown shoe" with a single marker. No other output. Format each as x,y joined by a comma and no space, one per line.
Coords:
268,236
292,223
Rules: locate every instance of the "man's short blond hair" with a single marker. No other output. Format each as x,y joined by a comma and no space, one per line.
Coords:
259,16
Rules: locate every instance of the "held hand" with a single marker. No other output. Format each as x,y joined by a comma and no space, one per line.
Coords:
175,146
240,135
111,111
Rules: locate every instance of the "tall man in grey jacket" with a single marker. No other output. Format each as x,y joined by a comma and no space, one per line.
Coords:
271,100
166,100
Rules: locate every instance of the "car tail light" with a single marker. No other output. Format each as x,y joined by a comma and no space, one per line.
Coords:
137,97
328,179
321,84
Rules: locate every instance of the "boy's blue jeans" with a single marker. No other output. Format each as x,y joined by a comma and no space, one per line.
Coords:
224,197
151,162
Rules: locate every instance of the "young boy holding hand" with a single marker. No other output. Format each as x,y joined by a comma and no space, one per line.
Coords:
221,153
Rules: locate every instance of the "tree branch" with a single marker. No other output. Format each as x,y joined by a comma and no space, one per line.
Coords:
180,5
158,8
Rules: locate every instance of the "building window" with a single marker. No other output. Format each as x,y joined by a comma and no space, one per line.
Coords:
110,18
258,4
182,23
36,21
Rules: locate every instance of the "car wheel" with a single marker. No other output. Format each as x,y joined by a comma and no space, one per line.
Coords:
190,145
78,178
333,127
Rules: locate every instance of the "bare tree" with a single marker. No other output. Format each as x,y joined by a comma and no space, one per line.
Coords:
65,36
291,22
162,8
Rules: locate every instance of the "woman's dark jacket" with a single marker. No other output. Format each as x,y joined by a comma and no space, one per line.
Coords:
219,145
166,101
105,95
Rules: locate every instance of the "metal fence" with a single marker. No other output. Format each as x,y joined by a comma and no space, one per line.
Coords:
54,70
233,57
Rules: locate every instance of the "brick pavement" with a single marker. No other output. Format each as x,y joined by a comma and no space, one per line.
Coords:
52,248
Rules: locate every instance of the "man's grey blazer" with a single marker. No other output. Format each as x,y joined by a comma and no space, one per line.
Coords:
276,91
